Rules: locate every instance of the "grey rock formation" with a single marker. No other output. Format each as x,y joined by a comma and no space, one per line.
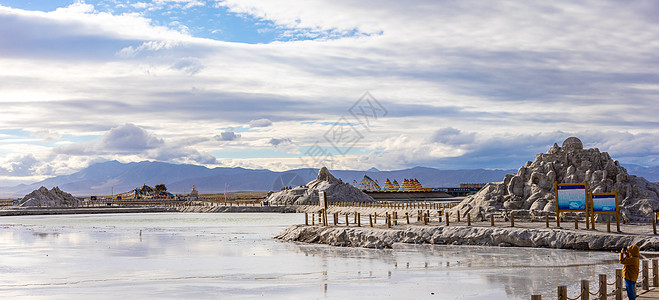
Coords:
54,198
531,188
335,190
380,238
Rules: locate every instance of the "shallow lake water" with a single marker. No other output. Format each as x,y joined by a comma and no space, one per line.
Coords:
229,256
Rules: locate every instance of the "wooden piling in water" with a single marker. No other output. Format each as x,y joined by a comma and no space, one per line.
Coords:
618,284
562,292
602,289
646,276
655,270
492,220
585,290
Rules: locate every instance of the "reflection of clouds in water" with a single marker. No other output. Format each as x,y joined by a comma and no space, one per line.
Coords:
240,259
521,272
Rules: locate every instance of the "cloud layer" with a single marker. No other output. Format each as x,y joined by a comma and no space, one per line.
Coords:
466,84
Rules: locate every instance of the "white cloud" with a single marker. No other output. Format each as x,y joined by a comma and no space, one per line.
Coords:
46,135
227,136
129,138
466,83
260,123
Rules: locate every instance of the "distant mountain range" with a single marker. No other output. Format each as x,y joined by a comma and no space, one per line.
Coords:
115,177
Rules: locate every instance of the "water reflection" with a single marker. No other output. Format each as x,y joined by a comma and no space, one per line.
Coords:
203,256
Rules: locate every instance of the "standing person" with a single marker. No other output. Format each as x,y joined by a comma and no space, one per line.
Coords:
629,259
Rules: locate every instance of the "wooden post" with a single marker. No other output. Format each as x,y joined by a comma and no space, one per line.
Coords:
468,219
558,219
370,220
592,219
655,270
407,218
618,284
585,290
562,292
646,276
512,219
306,219
375,218
388,220
425,219
313,219
492,220
395,217
608,225
618,222
447,222
536,297
458,216
547,220
602,287
576,222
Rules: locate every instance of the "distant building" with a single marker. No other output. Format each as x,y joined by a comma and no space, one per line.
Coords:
472,185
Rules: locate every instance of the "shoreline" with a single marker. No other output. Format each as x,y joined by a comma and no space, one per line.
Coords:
554,238
36,211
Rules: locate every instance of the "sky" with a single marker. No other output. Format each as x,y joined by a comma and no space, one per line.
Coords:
283,84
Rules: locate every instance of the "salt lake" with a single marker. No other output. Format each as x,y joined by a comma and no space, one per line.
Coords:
233,256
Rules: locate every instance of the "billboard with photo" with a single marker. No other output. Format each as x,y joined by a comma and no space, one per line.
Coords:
605,203
571,196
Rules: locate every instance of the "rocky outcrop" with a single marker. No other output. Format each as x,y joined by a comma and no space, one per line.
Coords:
531,188
335,190
463,235
55,197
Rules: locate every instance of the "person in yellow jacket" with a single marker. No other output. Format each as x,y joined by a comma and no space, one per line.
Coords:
629,260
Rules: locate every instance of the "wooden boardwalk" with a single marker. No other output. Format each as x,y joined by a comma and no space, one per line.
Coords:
653,293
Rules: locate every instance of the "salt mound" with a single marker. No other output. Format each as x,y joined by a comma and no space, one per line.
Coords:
44,198
335,190
532,187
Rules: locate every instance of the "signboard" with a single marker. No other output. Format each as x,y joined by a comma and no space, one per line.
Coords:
605,203
322,199
571,196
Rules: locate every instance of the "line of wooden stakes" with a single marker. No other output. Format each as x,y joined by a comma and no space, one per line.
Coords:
423,215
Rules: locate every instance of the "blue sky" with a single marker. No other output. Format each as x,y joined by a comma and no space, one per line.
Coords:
285,84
